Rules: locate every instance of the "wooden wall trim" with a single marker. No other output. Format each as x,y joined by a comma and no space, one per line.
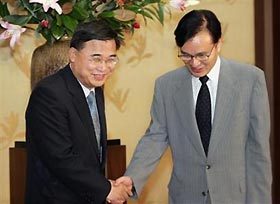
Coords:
259,33
276,94
266,57
267,44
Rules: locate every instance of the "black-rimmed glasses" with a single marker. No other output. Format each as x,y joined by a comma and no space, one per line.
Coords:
200,56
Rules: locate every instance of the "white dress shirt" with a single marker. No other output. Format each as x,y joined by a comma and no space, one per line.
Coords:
212,84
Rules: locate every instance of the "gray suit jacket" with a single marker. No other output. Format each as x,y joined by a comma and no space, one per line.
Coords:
238,167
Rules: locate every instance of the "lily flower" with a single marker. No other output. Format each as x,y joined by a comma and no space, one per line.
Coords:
192,2
182,4
12,31
49,4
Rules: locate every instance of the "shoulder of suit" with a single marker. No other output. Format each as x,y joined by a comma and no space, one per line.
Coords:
240,71
238,64
54,80
173,78
240,67
176,73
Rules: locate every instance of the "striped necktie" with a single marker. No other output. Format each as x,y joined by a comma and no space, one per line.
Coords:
94,115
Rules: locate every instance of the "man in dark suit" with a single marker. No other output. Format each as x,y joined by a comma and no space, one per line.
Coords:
66,138
213,113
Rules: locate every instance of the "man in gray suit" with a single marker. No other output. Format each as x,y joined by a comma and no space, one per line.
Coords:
226,158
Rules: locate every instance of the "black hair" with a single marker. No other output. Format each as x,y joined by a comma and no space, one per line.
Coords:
194,22
93,30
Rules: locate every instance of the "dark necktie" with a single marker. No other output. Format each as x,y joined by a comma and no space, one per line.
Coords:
94,115
203,113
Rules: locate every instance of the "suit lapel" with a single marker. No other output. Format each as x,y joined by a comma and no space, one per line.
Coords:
226,92
184,104
80,104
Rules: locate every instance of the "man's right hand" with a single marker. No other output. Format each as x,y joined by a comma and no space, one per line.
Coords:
119,192
126,180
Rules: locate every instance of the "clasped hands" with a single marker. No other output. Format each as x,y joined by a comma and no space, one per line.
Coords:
121,189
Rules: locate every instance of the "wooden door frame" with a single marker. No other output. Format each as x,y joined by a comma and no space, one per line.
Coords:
267,56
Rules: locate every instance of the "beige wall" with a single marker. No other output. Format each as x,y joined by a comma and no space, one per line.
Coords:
148,54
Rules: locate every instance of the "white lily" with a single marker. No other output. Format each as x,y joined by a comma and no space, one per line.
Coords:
49,4
182,4
12,31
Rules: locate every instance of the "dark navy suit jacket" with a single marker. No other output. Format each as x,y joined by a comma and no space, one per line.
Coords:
63,158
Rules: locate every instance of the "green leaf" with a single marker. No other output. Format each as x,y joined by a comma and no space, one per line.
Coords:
47,35
42,16
27,6
69,22
152,11
4,9
57,31
107,14
86,4
161,12
134,8
146,14
59,20
79,13
150,2
69,33
18,19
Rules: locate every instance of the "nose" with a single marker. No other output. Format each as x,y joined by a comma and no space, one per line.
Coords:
102,66
194,62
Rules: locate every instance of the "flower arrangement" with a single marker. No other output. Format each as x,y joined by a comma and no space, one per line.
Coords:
54,19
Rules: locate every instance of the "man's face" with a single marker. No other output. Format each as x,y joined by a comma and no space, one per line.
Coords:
94,63
200,53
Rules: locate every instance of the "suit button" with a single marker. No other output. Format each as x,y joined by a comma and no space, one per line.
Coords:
203,193
208,167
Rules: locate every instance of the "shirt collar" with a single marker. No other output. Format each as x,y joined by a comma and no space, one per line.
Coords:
214,72
86,90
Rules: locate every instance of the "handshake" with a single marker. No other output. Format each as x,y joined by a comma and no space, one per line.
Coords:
121,190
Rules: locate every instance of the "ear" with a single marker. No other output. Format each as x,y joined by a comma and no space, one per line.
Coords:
219,45
72,54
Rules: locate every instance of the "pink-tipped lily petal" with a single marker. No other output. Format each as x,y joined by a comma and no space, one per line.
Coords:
182,4
178,4
49,4
12,31
192,2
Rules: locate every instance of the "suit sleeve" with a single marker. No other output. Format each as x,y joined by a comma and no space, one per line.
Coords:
51,135
151,146
258,158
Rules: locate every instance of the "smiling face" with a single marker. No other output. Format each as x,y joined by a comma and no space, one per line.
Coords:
92,65
201,44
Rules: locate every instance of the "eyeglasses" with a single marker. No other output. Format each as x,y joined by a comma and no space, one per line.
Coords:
200,56
98,61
